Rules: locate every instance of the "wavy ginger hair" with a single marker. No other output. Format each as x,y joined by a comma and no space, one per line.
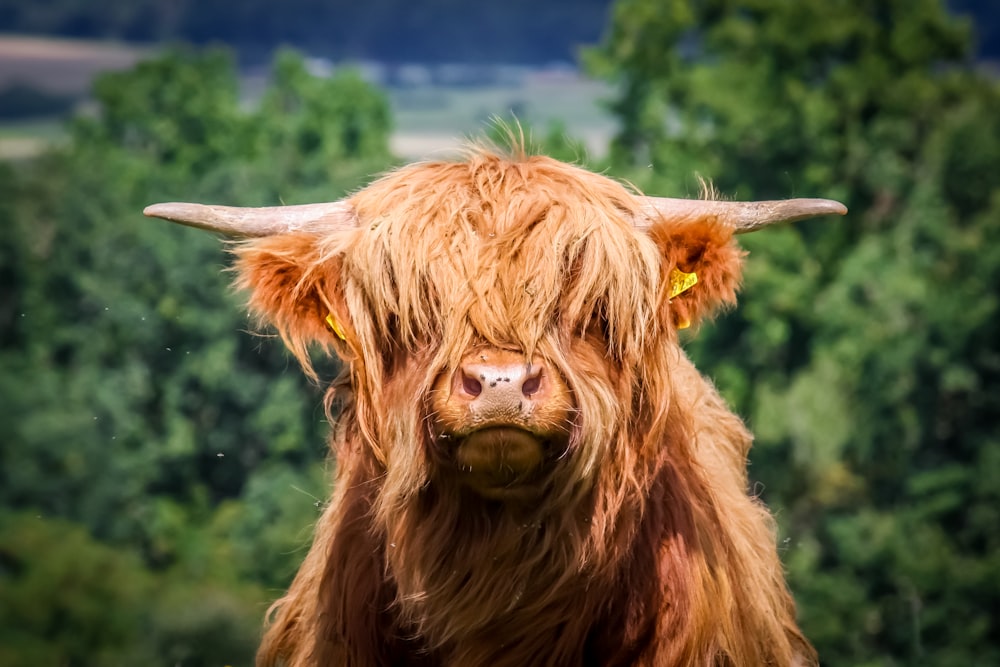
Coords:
644,547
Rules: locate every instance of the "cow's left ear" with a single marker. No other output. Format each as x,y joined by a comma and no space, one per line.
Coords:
702,267
294,287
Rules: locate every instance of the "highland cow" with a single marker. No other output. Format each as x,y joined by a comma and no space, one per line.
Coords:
529,470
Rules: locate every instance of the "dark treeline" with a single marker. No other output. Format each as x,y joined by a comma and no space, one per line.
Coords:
516,31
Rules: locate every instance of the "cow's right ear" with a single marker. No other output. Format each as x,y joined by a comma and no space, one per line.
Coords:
295,288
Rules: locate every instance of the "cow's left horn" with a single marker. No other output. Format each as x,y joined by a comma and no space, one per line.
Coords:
264,221
742,216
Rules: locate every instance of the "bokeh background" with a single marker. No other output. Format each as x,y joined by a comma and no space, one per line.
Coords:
161,467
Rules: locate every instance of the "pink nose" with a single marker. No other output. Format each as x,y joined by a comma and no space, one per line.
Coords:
499,384
500,410
496,382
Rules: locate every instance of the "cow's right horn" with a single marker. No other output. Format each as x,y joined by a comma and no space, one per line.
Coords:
255,222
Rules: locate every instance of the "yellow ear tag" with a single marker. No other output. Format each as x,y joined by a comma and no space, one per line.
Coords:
681,282
335,325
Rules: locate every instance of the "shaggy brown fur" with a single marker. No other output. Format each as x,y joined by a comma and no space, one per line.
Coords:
638,545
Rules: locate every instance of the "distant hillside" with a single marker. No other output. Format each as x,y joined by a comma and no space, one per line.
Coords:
61,68
513,31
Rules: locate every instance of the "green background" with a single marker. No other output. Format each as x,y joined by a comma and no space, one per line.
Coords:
161,467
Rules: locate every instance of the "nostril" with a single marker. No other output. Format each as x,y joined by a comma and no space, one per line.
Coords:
471,385
532,383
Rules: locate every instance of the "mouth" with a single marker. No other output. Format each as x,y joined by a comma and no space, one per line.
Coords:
498,462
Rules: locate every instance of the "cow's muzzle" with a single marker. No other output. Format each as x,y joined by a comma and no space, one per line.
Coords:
500,417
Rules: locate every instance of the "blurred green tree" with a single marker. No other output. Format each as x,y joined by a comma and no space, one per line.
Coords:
133,403
318,131
67,599
865,351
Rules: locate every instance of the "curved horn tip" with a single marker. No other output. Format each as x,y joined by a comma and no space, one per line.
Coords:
173,211
754,216
827,207
155,210
209,218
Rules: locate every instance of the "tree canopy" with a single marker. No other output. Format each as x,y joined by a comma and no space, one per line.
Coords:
864,352
186,454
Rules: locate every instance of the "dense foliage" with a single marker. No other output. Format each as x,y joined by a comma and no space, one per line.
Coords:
161,468
866,352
